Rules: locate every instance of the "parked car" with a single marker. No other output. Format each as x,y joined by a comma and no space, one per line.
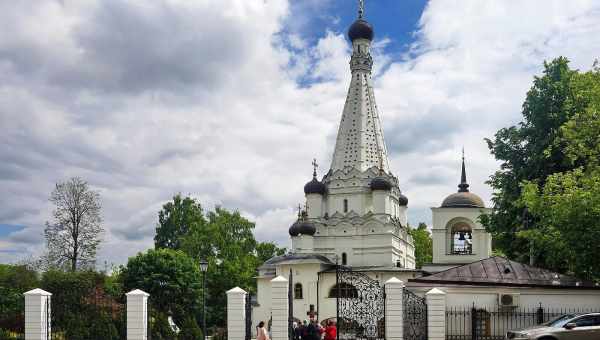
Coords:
565,327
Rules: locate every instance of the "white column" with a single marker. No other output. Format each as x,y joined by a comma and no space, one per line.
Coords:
279,308
137,315
37,315
236,314
394,309
436,314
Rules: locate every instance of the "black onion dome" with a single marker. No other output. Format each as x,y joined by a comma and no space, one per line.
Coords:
380,183
315,187
402,200
463,200
294,229
360,29
306,228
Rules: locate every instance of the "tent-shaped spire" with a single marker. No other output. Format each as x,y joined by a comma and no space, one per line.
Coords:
360,143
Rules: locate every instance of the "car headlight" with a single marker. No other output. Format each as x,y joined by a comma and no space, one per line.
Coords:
517,335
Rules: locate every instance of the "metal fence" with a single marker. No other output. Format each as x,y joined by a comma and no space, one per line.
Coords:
471,323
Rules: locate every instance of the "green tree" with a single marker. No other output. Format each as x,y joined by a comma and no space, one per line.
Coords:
170,277
423,244
176,220
76,314
566,206
266,250
532,151
14,281
224,238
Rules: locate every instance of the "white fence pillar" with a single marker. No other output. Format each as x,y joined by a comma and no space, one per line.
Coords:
394,309
436,314
236,314
137,315
37,315
279,308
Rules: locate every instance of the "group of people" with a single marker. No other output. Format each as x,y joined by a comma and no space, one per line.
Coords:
304,331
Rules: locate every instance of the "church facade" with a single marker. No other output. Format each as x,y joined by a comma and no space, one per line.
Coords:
356,214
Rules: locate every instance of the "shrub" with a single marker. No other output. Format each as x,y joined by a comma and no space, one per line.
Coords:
190,329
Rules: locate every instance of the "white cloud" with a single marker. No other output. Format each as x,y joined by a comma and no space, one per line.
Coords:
148,99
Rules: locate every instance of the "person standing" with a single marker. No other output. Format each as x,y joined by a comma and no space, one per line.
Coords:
261,332
330,331
313,331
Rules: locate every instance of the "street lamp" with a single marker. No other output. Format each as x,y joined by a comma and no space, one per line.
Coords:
203,269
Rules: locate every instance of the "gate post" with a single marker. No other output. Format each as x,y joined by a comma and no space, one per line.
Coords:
236,314
436,314
37,315
394,309
279,308
137,315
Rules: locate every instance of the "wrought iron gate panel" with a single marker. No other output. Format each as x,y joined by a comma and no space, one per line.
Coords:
248,316
361,305
415,316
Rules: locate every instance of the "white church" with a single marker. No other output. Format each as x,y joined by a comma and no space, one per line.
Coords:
356,215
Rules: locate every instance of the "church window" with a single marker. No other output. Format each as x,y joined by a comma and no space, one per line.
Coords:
298,291
344,259
343,290
345,205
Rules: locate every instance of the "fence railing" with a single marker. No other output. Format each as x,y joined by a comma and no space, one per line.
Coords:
474,323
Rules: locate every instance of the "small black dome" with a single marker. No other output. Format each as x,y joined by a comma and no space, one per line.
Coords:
360,29
294,229
381,183
306,228
402,200
315,187
463,200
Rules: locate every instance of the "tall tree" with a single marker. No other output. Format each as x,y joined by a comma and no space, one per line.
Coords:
423,244
74,235
531,151
176,220
224,238
566,206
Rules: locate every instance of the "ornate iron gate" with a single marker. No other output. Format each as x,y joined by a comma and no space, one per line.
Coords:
360,303
415,316
248,316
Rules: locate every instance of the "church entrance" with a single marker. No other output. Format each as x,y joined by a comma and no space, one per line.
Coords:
360,303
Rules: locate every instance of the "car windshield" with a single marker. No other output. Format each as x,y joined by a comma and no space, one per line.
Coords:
561,320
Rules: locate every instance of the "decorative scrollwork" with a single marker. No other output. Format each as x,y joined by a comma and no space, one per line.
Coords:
361,313
415,316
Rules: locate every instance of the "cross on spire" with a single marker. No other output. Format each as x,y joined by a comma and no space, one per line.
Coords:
361,8
315,166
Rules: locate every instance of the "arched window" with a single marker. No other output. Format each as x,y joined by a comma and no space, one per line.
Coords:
343,290
344,259
461,239
298,291
345,205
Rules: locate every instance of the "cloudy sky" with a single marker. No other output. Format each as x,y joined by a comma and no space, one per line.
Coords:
230,100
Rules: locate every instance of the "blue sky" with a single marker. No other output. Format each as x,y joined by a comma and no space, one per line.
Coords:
229,101
395,20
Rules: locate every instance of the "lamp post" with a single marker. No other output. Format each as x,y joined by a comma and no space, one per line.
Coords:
203,269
